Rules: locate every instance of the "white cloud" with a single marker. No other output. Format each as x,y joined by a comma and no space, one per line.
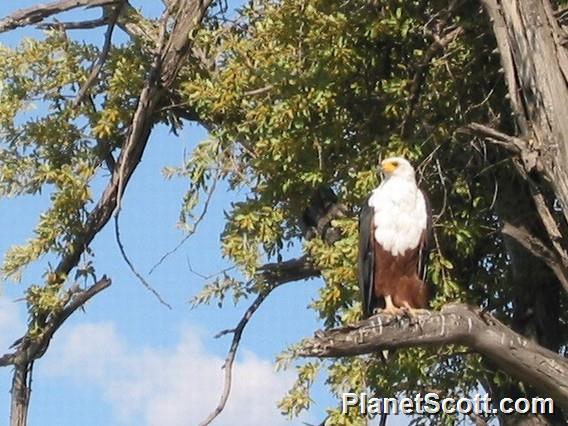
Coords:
177,386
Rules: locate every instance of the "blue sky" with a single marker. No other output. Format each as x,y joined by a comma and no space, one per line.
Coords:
127,360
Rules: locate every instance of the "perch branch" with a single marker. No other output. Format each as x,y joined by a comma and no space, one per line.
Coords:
458,324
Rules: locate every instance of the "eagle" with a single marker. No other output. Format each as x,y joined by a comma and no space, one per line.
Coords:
394,228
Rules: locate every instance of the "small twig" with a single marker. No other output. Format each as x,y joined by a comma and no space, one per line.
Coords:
193,230
133,269
97,66
207,277
259,91
225,332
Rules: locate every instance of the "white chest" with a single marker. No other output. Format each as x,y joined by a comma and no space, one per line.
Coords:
400,215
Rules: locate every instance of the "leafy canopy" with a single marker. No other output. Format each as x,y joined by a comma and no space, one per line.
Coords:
302,93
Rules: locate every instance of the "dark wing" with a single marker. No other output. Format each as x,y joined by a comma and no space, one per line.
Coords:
424,245
366,257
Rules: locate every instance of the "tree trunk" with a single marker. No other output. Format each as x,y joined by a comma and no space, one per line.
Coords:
20,395
535,64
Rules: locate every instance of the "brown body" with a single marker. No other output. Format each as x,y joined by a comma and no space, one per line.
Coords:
398,278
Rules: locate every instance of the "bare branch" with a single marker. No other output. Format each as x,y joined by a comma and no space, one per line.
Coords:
35,14
193,230
538,249
520,147
229,361
76,25
96,68
460,324
275,275
133,269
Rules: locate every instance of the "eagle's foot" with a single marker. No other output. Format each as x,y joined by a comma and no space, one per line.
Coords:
391,310
413,313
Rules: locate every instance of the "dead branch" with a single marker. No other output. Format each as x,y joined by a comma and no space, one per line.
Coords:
133,269
517,146
274,275
539,249
459,324
35,14
97,66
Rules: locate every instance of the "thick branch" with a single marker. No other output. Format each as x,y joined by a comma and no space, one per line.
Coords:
459,324
288,271
517,146
35,14
162,76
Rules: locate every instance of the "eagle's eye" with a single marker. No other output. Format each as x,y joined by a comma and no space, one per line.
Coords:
394,163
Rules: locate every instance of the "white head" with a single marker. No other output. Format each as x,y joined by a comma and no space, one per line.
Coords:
398,167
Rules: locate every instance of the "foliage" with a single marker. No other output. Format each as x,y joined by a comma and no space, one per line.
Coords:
302,93
314,91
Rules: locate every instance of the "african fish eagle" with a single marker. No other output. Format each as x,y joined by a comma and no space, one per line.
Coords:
394,227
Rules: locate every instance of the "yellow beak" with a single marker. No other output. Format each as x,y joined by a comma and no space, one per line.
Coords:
388,166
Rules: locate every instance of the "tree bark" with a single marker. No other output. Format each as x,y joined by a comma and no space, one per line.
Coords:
460,324
20,395
535,65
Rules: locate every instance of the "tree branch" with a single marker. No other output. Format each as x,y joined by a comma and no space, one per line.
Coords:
517,146
459,324
97,66
161,78
536,247
35,14
29,348
274,275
